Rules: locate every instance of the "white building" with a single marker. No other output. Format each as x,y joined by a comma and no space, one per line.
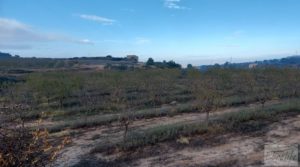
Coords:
254,65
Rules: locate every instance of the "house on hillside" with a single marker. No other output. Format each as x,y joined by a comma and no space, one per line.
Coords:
253,65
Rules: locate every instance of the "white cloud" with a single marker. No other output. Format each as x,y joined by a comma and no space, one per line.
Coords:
174,4
99,19
14,31
15,34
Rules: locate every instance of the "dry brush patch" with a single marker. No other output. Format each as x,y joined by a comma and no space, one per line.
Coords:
21,146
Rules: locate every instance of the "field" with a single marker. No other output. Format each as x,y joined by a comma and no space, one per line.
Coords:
149,117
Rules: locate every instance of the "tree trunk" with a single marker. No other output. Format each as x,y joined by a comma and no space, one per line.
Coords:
61,102
48,101
207,117
125,132
263,102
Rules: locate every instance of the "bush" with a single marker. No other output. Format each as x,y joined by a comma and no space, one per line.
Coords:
23,146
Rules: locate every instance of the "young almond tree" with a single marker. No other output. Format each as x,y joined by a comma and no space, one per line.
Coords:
290,83
244,83
88,101
265,85
125,120
119,97
211,94
205,90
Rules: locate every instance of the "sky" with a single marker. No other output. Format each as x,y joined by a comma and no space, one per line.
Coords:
186,31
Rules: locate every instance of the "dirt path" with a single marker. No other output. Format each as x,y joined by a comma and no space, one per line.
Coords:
89,138
193,117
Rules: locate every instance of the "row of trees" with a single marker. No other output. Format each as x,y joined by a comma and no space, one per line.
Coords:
212,88
163,64
107,91
62,89
154,87
125,92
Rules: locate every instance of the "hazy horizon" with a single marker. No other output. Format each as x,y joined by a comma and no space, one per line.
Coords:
186,31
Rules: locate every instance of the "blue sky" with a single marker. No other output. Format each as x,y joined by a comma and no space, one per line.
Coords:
187,31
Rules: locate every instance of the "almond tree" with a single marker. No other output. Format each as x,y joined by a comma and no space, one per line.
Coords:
204,88
120,98
265,85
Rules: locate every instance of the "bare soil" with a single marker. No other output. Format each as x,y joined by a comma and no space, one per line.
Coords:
241,150
234,150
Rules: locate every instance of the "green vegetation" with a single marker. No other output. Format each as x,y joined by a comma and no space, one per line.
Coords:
73,99
170,64
67,95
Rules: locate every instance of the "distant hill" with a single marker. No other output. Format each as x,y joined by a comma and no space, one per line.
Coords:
16,62
292,61
5,55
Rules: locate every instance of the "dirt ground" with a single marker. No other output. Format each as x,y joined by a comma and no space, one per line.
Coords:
234,150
